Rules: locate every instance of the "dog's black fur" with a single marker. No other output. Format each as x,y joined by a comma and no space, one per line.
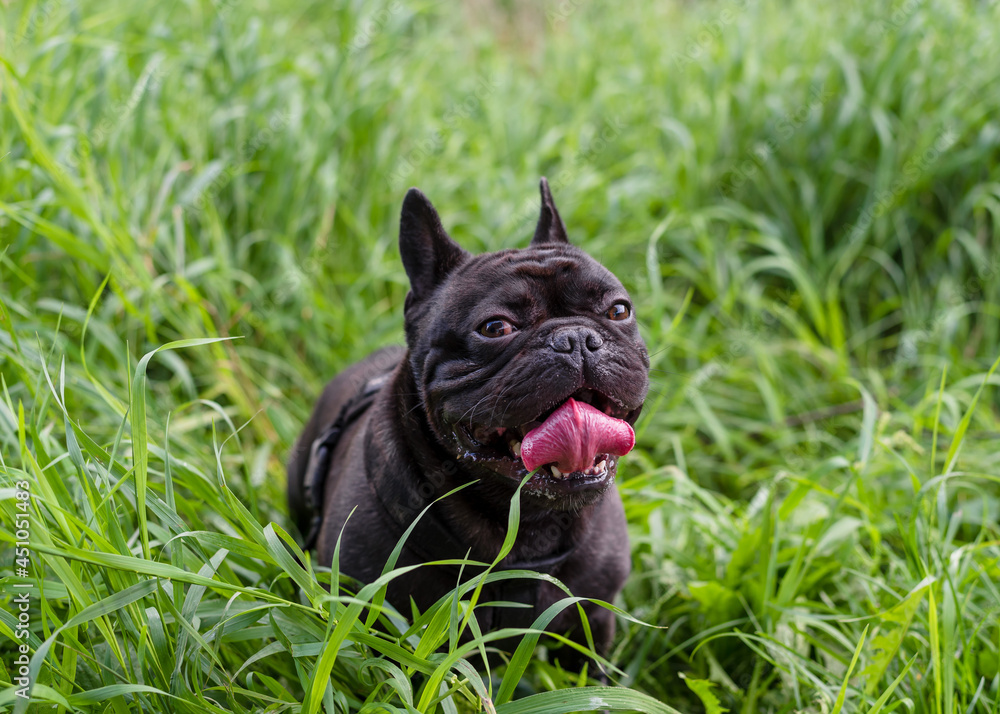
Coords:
417,441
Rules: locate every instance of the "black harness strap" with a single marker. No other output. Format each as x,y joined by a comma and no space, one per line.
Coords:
318,466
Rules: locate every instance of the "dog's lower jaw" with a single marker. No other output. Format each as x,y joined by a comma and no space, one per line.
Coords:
497,482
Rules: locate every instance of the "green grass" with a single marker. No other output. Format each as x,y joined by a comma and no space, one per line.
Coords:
804,202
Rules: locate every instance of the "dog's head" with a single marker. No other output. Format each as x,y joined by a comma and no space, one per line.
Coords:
525,358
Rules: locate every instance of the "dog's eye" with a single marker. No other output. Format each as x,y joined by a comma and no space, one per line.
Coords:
496,327
619,311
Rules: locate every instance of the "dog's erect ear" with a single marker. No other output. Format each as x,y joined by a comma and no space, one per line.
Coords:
550,228
428,252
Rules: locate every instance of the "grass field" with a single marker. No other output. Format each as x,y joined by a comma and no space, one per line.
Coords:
198,223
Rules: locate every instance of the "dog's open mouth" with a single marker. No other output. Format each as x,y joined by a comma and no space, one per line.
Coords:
575,442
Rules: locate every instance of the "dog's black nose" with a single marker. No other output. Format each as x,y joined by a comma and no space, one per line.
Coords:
570,339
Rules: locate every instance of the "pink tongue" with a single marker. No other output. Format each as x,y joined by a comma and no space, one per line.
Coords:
573,436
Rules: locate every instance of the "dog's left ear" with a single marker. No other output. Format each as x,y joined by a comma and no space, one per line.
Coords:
428,252
550,228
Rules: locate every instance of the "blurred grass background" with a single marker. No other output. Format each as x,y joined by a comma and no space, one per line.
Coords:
803,199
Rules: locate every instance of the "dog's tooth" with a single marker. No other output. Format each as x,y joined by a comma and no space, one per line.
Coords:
516,448
611,463
556,472
602,466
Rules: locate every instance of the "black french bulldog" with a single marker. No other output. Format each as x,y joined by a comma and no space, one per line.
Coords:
515,360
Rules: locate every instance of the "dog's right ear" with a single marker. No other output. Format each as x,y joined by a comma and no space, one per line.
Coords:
428,252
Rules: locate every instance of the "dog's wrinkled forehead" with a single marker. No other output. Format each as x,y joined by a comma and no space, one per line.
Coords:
557,279
548,262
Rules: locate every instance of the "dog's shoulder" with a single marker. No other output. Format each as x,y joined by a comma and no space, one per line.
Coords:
353,380
339,391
